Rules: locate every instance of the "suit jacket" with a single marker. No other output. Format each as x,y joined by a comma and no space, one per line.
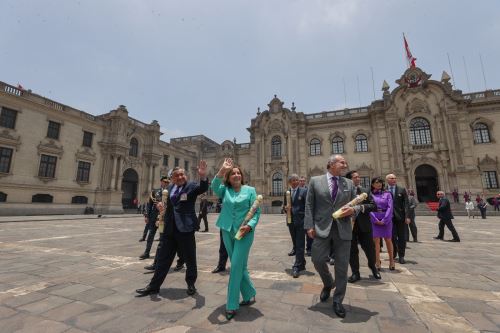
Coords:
298,205
235,206
444,209
182,212
400,204
320,207
363,219
151,210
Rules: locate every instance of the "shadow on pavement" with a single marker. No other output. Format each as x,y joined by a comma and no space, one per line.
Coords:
244,314
354,314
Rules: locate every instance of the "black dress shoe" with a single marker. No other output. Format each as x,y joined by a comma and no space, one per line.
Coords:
142,240
308,253
291,253
325,293
402,260
178,267
191,290
295,272
144,256
219,269
441,238
376,273
148,290
249,302
454,240
339,309
150,267
354,277
331,261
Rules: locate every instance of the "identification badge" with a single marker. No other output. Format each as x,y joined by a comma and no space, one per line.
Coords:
184,197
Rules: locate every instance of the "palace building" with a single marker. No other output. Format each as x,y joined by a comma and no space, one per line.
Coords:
55,159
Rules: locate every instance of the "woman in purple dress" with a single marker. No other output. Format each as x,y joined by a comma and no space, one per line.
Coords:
382,220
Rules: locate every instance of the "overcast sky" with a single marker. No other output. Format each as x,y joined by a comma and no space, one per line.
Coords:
204,66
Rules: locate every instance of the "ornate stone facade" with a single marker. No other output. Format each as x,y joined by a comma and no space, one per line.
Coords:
430,135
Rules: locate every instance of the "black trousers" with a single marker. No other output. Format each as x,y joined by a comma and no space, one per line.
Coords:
365,239
179,242
399,236
300,244
180,261
151,236
204,217
309,242
222,252
413,228
291,229
483,213
450,226
145,232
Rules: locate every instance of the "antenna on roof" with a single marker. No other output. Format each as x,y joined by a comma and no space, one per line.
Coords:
482,69
466,74
451,70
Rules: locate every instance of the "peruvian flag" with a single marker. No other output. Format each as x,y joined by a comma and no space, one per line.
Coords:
409,57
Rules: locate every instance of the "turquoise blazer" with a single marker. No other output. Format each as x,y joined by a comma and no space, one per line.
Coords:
235,206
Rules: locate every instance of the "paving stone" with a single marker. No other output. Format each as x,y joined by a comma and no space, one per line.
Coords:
66,311
45,304
6,312
479,321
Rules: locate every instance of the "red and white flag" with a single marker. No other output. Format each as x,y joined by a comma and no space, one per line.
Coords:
20,86
409,57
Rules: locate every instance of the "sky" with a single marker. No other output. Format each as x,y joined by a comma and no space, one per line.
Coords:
205,66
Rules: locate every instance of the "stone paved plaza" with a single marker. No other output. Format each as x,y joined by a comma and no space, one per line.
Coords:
75,274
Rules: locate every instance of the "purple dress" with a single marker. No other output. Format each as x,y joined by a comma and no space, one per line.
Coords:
383,200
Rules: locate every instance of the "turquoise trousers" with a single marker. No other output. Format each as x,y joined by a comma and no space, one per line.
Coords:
239,279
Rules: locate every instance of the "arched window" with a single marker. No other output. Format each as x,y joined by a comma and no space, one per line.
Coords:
276,146
315,147
481,133
134,147
361,143
420,132
46,198
337,145
277,184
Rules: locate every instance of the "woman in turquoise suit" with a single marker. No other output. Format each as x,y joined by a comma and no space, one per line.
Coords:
237,199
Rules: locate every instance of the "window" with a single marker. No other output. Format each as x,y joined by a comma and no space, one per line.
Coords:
47,166
3,197
8,118
277,184
420,132
186,166
365,182
337,145
87,139
165,160
5,159
481,133
83,172
276,146
134,147
490,179
44,198
361,143
315,147
79,199
176,162
53,130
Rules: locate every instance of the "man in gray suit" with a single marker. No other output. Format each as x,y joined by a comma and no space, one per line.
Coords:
327,194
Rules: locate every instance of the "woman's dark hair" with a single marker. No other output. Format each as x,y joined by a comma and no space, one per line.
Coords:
228,174
377,180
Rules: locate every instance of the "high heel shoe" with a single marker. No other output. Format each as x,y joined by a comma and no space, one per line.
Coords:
230,314
249,302
392,266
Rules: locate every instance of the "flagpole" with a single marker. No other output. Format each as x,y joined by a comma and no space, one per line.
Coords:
451,70
482,69
466,74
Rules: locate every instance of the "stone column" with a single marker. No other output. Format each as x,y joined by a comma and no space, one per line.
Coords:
153,175
113,172
118,173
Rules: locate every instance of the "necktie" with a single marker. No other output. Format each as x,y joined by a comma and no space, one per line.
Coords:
294,192
393,190
175,196
334,188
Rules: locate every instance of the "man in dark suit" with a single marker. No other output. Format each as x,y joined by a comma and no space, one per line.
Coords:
362,232
327,194
180,225
152,214
445,216
401,217
202,214
298,197
309,240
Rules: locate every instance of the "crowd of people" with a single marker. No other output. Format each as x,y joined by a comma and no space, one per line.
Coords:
327,220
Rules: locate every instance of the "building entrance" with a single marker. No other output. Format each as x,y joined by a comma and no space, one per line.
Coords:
426,180
129,187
